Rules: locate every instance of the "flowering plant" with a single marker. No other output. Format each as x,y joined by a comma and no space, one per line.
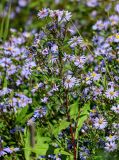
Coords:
59,92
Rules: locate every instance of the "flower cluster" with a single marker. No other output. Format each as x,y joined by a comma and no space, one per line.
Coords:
59,90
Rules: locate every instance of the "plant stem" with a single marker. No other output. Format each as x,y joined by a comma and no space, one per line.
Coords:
71,129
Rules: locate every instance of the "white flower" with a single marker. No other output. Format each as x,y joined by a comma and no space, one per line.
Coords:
100,123
70,81
111,94
115,108
111,146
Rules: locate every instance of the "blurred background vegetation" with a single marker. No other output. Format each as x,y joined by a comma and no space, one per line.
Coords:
23,13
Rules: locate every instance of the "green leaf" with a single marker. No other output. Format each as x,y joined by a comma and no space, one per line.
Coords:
22,115
74,110
5,82
40,149
27,149
61,151
7,23
83,116
59,127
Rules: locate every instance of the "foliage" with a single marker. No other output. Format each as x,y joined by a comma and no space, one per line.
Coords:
59,73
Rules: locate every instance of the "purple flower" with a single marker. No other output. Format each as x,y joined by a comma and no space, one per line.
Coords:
2,153
92,3
80,61
110,146
111,94
39,113
75,41
70,81
115,108
117,8
114,19
43,13
100,123
8,150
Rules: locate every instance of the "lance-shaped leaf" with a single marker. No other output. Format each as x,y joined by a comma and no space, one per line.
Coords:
83,116
59,127
74,110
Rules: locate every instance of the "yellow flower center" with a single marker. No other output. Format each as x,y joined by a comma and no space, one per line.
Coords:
110,136
87,78
9,48
118,60
12,149
68,80
36,87
93,74
100,121
117,36
111,93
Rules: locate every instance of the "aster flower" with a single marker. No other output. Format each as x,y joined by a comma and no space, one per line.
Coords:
22,3
5,62
75,41
56,14
111,138
54,88
43,13
54,48
45,51
114,19
80,61
5,91
92,3
20,101
100,123
97,91
111,94
62,16
116,38
72,30
88,79
69,81
44,100
67,16
115,108
8,150
115,125
95,76
117,8
39,113
84,153
100,25
2,152
110,146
